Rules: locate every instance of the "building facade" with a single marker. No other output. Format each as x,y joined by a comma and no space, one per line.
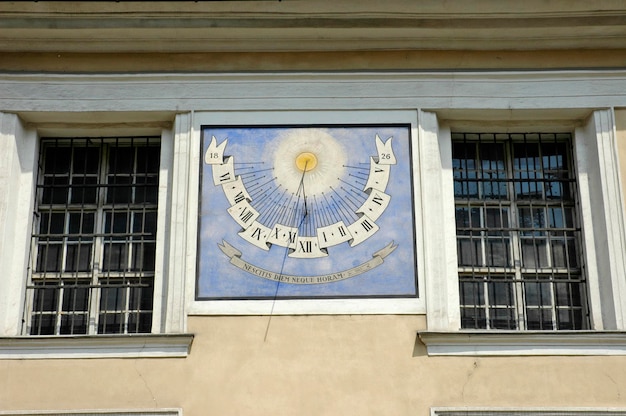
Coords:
311,207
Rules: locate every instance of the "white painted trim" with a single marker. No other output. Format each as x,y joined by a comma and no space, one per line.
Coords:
392,305
161,291
94,412
602,216
531,91
178,237
601,211
18,152
96,346
442,288
516,343
531,411
613,211
588,176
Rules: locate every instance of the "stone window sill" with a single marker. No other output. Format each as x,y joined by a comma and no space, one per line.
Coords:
96,346
517,343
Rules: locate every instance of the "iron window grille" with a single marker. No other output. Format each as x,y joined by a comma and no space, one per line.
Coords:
92,259
518,238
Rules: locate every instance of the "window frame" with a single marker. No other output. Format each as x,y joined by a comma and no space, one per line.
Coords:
168,337
97,279
504,283
595,153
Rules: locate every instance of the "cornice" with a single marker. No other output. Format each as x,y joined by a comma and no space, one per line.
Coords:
315,25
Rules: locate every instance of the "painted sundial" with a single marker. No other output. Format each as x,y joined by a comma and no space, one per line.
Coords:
306,212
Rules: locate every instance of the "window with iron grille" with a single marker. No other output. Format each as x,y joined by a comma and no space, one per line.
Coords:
94,236
518,238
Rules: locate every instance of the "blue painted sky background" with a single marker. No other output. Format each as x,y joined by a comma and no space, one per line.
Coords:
217,278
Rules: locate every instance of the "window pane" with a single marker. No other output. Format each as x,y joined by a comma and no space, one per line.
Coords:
570,319
86,160
44,312
73,324
143,256
84,190
140,297
534,253
464,170
473,318
115,257
76,298
527,171
140,305
568,294
42,324
519,222
50,248
57,159
538,293
473,306
52,224
146,189
74,224
121,160
112,305
49,257
113,298
55,189
116,223
45,299
148,159
75,307
111,323
493,172
78,258
497,252
147,174
501,293
119,190
532,221
539,319
472,293
502,318
139,322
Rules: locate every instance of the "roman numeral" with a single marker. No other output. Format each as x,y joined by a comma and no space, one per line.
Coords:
239,197
367,225
224,177
306,246
257,233
245,215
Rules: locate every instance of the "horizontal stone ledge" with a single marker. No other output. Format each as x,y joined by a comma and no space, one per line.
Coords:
516,343
96,346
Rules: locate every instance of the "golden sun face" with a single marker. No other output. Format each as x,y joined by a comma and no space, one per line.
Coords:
313,151
306,161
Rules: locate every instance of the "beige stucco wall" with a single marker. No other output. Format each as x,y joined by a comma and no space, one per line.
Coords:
311,365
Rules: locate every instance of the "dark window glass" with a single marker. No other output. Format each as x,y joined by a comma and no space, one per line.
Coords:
94,236
517,238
